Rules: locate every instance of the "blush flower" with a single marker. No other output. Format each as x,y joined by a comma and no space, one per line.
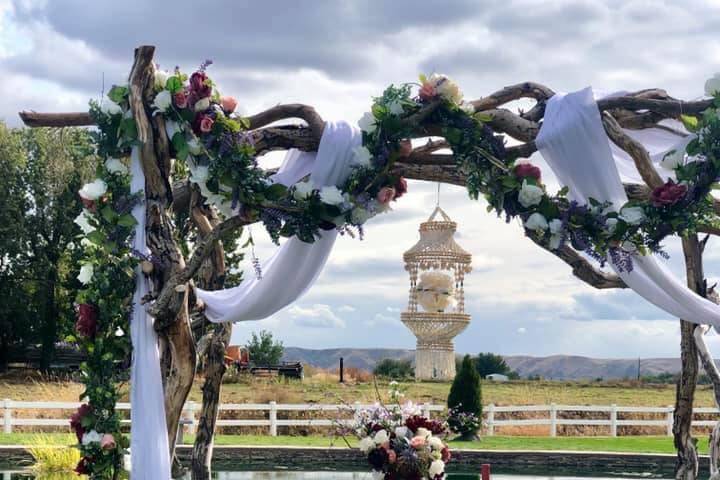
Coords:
181,99
668,194
107,442
385,195
417,442
229,104
427,91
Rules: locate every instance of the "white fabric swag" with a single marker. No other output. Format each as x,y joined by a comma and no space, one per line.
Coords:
573,142
295,265
148,440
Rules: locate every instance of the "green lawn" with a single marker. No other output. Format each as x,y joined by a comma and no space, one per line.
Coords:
607,444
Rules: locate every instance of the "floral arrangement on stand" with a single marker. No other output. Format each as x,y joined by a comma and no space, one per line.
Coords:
399,442
464,424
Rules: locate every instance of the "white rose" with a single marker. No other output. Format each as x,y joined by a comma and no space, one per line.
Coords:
161,78
632,215
202,104
359,216
93,190
381,437
303,190
194,146
113,165
86,273
361,157
530,195
119,332
225,209
712,85
109,107
395,107
367,122
555,242
555,226
437,467
127,463
91,437
446,88
423,432
611,224
171,128
629,247
435,443
163,101
468,108
536,222
401,432
366,444
331,195
676,156
83,221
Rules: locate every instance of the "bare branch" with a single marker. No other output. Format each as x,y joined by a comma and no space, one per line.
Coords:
72,119
290,110
513,92
637,152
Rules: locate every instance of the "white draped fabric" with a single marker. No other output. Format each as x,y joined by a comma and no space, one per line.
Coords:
148,439
295,265
573,142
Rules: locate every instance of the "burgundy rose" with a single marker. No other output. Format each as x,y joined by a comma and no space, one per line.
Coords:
199,86
524,170
203,123
86,324
668,194
418,421
76,420
400,188
181,99
445,455
89,204
378,458
83,466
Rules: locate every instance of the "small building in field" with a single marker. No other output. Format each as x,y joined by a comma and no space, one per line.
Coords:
497,377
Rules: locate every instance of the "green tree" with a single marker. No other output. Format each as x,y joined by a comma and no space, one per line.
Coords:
465,393
42,171
264,349
392,368
487,363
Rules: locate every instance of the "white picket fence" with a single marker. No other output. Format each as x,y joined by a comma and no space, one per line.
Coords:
543,415
190,418
552,417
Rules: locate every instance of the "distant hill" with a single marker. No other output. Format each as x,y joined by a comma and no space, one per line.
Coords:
556,367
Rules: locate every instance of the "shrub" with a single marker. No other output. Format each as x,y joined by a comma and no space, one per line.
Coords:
264,350
392,368
465,396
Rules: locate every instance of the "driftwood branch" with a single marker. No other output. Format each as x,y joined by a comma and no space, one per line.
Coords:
290,110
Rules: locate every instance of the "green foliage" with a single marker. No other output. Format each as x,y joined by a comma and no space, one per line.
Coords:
392,368
487,363
465,393
264,349
42,171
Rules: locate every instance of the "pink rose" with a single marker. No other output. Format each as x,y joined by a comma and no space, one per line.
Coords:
203,123
385,195
405,148
107,442
229,104
417,442
86,324
524,170
392,456
427,91
181,99
668,194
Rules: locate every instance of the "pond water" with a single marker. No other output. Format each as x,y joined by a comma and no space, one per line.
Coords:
289,475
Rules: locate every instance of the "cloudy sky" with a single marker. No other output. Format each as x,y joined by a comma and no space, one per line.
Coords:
337,54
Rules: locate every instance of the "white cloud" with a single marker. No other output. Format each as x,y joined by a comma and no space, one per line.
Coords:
316,316
346,309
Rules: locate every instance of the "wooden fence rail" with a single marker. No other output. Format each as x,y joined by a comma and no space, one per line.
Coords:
552,416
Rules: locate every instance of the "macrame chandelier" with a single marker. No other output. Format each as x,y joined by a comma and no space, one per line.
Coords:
437,266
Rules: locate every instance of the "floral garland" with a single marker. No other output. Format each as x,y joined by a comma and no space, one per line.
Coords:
212,143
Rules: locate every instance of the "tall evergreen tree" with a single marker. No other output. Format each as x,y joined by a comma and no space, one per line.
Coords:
465,393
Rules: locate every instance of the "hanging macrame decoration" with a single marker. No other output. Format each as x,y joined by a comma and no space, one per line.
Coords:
437,266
